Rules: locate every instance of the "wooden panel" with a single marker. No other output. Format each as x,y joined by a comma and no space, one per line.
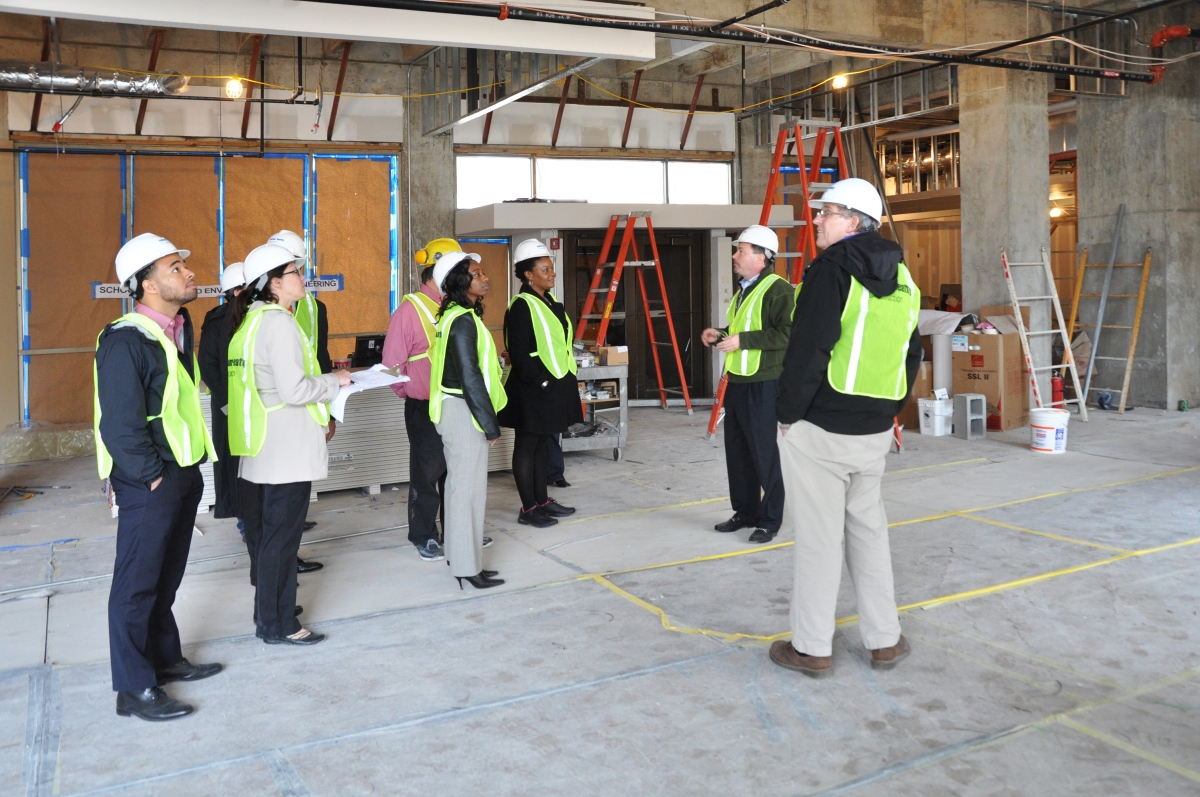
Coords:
933,253
177,197
353,238
75,209
262,197
495,265
1063,260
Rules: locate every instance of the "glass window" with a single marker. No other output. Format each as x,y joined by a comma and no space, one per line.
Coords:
595,180
486,180
697,183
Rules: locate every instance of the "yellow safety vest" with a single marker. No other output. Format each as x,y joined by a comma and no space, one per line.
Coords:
489,364
869,358
306,315
745,315
427,310
247,413
182,419
553,348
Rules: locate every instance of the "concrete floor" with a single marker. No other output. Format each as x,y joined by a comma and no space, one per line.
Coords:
1051,602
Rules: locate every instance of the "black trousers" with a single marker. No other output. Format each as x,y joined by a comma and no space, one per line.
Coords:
426,472
154,535
249,496
556,466
529,467
751,453
277,521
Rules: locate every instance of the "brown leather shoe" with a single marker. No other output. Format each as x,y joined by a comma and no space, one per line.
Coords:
783,654
887,658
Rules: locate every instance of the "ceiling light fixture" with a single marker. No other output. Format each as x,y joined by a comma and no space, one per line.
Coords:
841,81
233,89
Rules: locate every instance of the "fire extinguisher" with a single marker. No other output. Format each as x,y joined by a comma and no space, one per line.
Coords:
1056,391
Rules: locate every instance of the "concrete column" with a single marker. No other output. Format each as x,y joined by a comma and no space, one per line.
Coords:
428,186
1144,151
10,320
1005,177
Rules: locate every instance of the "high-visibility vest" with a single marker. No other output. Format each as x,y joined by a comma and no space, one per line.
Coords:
745,315
869,358
181,416
489,363
427,310
553,348
306,315
247,413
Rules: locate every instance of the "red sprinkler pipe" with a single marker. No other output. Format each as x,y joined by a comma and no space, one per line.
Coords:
1169,33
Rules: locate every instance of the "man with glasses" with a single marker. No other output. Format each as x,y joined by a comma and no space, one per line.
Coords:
849,366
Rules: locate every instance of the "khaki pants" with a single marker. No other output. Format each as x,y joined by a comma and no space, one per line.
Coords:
466,452
832,482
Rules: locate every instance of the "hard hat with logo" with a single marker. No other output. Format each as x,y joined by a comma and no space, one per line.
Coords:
446,264
291,242
262,259
140,252
855,194
234,276
434,250
759,236
527,250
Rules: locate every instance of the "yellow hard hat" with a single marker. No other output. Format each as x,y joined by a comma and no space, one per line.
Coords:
435,249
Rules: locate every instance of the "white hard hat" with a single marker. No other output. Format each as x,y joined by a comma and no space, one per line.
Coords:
447,262
854,194
291,242
527,250
759,236
140,252
264,258
234,276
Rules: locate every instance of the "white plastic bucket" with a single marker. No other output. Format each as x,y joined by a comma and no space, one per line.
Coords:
1049,430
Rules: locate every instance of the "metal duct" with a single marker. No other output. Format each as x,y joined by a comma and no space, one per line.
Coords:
54,78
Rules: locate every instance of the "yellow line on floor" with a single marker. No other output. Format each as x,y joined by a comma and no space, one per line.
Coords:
940,465
1059,537
1074,490
1129,748
645,510
711,558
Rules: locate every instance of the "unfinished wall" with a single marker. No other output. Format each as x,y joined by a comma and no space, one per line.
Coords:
10,322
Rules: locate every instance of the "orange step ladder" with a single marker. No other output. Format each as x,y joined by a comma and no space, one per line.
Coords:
629,247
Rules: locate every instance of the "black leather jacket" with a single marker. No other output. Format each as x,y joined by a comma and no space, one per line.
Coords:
462,372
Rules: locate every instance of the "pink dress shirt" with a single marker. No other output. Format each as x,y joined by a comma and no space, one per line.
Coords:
172,327
406,339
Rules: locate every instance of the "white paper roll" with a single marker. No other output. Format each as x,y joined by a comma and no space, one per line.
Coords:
943,364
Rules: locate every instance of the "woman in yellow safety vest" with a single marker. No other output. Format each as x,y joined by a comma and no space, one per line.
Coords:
465,393
278,419
543,394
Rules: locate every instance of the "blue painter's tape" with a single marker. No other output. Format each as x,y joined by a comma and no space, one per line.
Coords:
25,345
25,242
217,164
483,240
28,302
25,170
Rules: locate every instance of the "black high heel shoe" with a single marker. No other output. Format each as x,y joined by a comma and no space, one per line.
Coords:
481,581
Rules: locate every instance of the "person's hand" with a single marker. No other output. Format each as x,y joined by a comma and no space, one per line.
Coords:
332,429
710,336
154,484
783,429
729,344
492,443
343,378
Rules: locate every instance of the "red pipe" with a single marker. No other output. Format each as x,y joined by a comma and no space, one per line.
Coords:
1169,33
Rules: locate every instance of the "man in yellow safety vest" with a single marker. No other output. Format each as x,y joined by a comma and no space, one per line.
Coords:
850,364
760,316
150,441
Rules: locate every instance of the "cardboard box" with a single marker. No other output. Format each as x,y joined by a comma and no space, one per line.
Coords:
613,355
910,416
995,366
1003,309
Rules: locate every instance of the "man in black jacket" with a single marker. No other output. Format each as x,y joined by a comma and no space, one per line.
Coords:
150,449
850,364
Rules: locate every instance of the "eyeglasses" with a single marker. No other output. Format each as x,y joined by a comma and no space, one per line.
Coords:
295,271
827,212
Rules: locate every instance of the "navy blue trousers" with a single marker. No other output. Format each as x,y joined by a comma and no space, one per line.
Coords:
752,454
154,535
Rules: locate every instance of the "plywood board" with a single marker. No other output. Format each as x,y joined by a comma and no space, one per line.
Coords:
353,238
495,265
177,197
933,253
262,197
60,386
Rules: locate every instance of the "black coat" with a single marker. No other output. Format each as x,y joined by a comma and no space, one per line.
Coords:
463,371
537,402
131,374
214,369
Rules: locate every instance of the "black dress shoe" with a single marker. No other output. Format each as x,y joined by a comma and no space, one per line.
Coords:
184,670
481,581
536,517
306,566
489,573
301,637
733,524
153,705
309,525
560,483
762,535
555,509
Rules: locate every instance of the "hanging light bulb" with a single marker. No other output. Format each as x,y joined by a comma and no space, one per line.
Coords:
840,82
233,89
1055,212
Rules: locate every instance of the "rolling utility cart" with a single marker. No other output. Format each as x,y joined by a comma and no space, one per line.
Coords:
593,407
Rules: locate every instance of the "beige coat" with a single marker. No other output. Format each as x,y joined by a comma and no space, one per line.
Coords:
294,449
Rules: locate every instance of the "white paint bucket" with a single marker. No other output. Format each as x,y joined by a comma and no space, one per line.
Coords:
1049,430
